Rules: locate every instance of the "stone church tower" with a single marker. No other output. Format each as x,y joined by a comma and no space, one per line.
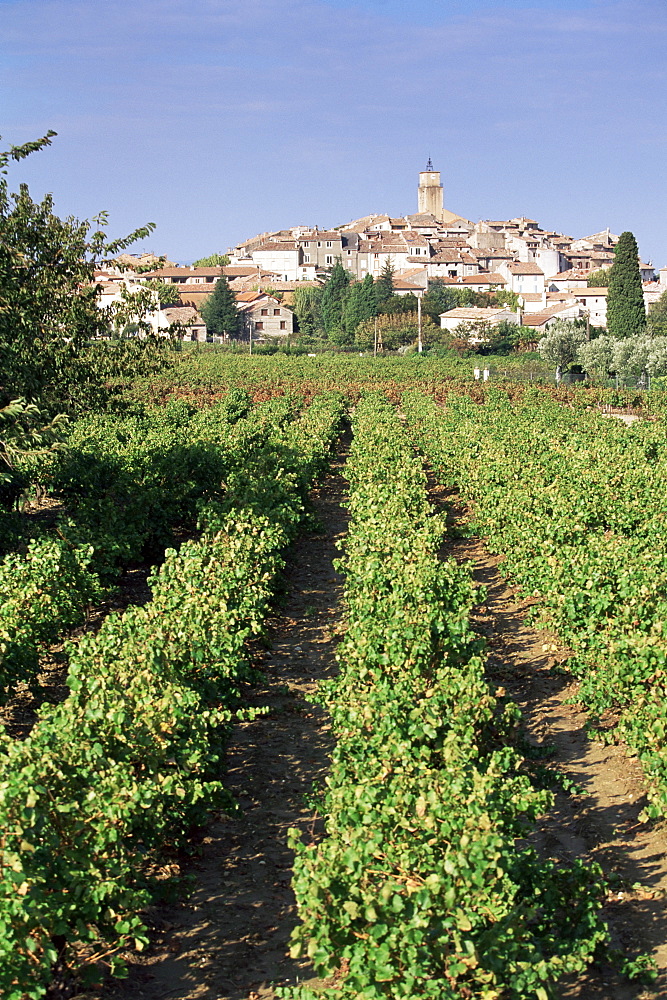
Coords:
431,199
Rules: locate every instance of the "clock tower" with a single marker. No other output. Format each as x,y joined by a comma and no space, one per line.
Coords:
431,198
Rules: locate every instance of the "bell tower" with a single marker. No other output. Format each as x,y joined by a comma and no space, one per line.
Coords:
430,198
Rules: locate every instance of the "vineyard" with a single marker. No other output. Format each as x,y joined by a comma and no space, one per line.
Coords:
419,863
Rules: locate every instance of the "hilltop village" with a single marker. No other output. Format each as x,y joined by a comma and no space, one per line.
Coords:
542,276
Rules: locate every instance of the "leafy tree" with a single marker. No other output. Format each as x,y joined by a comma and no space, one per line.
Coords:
275,293
438,299
599,278
631,356
468,297
214,260
657,317
627,356
384,286
394,330
626,315
48,299
332,303
472,330
340,337
655,357
597,357
560,346
219,312
397,304
503,297
360,304
503,339
25,433
307,309
167,293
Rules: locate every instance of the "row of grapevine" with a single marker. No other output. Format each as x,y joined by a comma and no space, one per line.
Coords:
210,373
42,593
126,482
577,506
122,769
419,887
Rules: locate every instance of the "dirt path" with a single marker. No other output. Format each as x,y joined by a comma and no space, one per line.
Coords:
602,823
229,941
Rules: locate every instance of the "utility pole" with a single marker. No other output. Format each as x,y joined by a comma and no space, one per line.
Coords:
419,323
375,339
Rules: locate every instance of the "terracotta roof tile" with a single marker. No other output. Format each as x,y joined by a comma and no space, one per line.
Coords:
524,267
488,278
540,318
275,245
184,272
475,312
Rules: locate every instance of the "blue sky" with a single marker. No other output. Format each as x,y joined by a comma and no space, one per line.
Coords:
218,119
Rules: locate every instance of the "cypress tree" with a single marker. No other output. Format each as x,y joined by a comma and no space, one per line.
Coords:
219,312
360,304
334,294
626,315
384,286
369,297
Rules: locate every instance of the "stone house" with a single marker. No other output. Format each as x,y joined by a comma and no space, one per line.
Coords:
115,290
264,316
403,286
194,327
452,262
320,249
567,280
453,318
594,300
282,258
523,277
186,275
540,321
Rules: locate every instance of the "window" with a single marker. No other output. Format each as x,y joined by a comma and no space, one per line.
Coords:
283,324
306,258
329,243
265,312
328,259
259,325
307,243
276,312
